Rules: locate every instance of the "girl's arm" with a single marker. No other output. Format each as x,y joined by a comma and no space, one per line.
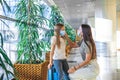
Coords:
52,53
51,56
53,43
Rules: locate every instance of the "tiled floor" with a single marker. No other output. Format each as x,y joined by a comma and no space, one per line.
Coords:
108,68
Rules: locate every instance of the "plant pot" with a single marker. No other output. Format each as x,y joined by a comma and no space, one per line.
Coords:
47,56
31,71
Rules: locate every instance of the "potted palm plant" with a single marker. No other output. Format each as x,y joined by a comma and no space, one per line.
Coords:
29,64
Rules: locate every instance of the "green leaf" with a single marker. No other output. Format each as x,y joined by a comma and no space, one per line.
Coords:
1,37
1,77
3,53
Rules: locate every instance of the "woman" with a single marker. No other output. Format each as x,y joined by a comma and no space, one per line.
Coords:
58,54
88,68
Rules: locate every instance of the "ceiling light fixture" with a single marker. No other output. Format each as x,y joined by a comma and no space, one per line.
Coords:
78,5
78,10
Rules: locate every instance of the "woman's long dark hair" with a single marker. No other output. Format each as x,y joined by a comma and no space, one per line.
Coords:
87,36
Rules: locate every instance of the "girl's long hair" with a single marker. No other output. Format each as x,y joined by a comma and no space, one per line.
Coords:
57,33
87,36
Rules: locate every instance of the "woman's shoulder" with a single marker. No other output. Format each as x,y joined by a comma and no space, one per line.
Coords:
86,44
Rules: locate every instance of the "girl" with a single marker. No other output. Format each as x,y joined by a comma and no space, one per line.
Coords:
58,54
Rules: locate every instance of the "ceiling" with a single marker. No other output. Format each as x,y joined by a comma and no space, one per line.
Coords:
76,11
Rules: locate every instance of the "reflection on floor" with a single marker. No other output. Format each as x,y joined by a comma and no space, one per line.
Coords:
108,68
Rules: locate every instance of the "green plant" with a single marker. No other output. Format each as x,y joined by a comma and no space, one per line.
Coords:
70,31
57,17
6,66
4,62
30,46
5,6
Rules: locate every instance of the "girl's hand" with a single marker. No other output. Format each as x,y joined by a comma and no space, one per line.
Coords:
71,70
49,65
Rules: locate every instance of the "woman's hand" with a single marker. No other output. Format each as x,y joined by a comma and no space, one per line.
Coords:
66,35
49,65
72,44
75,45
71,70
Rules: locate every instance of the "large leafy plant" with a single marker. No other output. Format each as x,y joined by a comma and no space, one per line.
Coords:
6,66
5,62
31,16
57,17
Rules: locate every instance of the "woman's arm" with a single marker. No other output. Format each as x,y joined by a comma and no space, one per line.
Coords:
72,44
87,60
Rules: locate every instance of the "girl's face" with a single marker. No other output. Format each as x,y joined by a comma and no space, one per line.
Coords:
59,30
62,31
63,28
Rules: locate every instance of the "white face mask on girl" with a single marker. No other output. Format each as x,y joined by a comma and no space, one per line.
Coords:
62,32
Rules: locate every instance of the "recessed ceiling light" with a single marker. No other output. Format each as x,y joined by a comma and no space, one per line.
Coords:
78,10
78,5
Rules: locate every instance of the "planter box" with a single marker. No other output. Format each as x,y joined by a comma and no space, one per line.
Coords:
47,56
31,71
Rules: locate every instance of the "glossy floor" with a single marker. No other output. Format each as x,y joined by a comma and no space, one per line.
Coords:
108,68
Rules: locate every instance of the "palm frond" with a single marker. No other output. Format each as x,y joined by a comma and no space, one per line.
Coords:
5,6
1,77
4,61
29,49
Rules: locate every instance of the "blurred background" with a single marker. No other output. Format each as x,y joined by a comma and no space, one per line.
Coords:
102,15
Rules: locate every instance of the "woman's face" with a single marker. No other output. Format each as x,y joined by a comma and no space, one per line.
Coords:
80,30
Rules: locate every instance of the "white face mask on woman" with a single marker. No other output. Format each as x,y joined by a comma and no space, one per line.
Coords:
78,33
62,32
